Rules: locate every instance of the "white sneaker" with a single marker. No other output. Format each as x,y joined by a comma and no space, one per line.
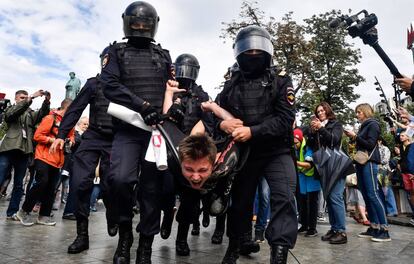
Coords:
45,220
24,218
411,221
13,218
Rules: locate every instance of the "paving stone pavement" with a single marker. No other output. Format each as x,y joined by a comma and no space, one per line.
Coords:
43,244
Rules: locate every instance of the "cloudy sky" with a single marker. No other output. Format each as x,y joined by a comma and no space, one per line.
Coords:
42,41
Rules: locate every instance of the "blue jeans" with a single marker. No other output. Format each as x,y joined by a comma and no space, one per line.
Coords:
263,209
368,185
388,199
17,160
95,193
336,206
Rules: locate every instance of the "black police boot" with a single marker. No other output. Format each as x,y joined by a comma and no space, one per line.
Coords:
112,229
126,238
166,225
196,229
247,245
181,245
232,252
206,219
81,242
144,250
278,255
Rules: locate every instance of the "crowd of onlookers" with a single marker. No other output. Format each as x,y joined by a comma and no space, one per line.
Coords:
27,166
368,195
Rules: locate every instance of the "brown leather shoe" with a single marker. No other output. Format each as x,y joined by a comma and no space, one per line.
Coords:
338,238
328,235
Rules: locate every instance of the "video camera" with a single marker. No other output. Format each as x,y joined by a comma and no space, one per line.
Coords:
365,29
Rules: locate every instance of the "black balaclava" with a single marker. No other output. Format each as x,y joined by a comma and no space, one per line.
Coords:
185,83
253,65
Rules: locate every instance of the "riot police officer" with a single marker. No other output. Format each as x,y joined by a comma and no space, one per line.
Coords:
262,100
183,105
94,148
134,74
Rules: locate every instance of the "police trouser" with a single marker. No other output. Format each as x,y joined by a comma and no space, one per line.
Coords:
151,198
280,174
127,164
168,193
189,210
93,147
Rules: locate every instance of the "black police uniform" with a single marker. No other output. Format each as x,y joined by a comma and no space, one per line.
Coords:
95,144
132,75
94,147
265,104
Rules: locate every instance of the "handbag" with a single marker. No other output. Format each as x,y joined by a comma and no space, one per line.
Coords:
361,156
351,180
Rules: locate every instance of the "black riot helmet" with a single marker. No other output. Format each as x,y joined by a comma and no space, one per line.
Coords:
250,38
140,20
186,66
256,40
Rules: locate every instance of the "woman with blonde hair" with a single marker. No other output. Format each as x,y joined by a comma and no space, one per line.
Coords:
366,141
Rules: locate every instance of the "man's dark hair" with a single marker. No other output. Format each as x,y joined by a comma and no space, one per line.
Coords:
195,147
21,92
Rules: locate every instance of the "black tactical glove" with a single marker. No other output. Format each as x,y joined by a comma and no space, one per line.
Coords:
150,115
176,113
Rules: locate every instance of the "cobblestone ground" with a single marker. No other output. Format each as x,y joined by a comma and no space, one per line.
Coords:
42,244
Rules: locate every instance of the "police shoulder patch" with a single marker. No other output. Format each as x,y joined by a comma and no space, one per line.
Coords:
290,95
105,60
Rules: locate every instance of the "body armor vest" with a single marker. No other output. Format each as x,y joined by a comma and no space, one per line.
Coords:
192,105
250,100
99,119
144,71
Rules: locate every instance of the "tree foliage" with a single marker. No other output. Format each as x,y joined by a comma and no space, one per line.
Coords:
320,61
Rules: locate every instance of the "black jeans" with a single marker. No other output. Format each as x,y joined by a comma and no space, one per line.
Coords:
309,209
280,174
43,188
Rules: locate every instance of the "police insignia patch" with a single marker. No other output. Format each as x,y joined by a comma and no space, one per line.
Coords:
105,60
290,95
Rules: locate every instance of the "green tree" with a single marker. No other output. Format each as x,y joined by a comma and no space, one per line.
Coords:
332,73
320,60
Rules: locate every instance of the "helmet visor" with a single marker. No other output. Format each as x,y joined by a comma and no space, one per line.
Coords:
253,43
141,23
186,71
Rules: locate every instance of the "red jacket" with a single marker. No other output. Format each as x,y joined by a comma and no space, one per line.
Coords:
44,135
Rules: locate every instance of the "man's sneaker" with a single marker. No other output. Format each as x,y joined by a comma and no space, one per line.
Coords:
259,236
13,217
311,233
321,218
24,218
45,220
302,229
371,232
411,221
381,236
